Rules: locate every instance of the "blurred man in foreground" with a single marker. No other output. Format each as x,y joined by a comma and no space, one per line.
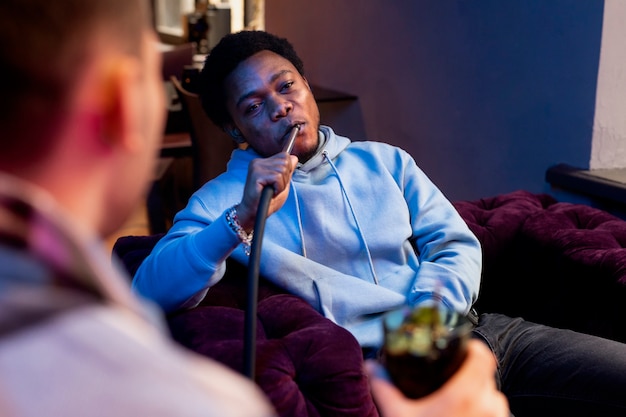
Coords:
81,113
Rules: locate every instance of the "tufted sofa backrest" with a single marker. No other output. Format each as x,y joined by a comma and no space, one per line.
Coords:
556,263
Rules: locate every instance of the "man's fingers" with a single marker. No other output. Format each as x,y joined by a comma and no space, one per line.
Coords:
482,362
389,399
470,392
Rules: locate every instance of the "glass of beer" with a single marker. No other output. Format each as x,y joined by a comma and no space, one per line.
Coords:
423,347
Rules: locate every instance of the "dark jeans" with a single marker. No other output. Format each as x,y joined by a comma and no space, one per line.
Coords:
545,371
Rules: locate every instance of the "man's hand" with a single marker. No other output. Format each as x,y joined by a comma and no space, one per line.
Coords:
470,392
275,171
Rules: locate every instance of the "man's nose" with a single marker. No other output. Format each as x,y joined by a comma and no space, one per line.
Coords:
281,108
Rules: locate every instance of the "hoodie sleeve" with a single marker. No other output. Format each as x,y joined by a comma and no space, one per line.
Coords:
449,253
188,260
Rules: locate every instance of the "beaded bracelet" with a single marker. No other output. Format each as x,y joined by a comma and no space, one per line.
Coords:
233,222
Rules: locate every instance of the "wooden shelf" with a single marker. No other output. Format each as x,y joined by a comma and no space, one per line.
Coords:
604,184
323,94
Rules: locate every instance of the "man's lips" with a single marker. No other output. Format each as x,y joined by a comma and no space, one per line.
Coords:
287,133
291,138
291,126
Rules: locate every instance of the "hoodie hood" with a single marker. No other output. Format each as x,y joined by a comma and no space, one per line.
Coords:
327,149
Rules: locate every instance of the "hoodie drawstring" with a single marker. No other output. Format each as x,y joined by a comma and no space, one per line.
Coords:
299,215
358,226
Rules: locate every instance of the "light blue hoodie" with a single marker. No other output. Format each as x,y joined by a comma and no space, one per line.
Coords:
363,231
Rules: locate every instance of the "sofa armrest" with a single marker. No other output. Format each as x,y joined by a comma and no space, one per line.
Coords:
306,365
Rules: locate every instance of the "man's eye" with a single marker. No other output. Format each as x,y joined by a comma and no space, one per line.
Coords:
252,108
287,85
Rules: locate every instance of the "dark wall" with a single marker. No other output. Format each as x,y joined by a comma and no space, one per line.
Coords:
486,95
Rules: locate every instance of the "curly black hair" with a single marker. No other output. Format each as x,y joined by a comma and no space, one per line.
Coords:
224,58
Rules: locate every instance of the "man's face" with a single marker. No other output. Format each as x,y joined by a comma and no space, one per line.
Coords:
154,109
146,113
266,97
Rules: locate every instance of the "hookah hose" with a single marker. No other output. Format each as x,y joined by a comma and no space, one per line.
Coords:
249,359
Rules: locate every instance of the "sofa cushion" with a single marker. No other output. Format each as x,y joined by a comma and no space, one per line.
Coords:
497,222
132,250
585,235
560,264
579,253
306,365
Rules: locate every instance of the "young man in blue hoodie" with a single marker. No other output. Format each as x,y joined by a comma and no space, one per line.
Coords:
356,229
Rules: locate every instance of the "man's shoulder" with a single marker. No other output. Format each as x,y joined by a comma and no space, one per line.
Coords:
374,144
379,149
129,358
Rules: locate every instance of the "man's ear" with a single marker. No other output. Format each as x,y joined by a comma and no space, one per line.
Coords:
122,105
234,133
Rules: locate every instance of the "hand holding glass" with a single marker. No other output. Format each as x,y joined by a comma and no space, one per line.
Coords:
423,347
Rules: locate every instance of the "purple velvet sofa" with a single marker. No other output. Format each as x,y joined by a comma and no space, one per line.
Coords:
551,262
555,263
306,365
